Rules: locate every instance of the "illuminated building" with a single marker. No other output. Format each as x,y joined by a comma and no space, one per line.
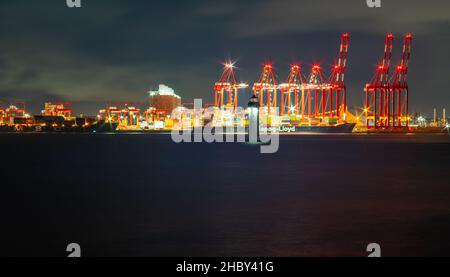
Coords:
164,100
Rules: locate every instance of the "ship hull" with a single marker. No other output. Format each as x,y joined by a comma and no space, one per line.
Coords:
346,128
112,128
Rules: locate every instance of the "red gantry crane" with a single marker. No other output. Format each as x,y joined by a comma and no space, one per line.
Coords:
387,101
320,98
316,89
126,113
268,84
377,91
16,109
227,86
294,86
399,90
337,83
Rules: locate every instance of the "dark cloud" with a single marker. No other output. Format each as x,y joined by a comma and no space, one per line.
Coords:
117,50
262,18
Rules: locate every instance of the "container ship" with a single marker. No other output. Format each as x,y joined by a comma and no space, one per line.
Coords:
228,120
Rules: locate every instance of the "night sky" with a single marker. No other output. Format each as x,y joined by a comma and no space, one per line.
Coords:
111,50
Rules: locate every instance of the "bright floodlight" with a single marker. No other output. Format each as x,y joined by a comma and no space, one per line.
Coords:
230,65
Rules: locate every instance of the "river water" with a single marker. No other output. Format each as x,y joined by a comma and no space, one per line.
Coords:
143,195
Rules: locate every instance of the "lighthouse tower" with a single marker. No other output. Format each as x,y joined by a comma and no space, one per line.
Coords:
253,118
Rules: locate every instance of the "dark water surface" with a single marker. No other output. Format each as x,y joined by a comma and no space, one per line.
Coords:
142,195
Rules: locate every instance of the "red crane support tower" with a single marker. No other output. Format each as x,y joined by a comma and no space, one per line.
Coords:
337,82
267,83
377,91
227,86
315,91
293,85
399,90
16,109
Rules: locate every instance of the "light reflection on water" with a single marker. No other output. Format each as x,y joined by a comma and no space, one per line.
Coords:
320,195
